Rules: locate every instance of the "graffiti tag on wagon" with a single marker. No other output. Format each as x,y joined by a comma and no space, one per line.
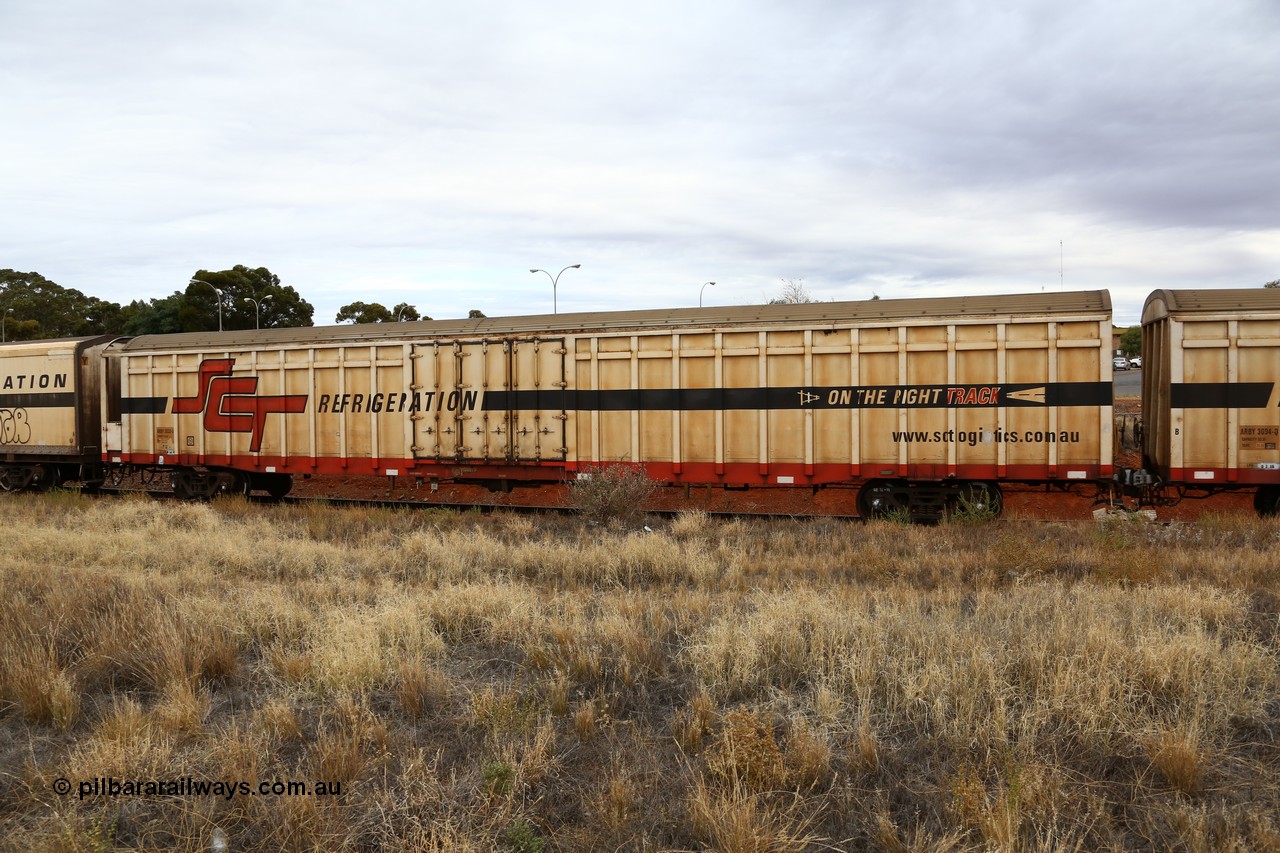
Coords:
15,427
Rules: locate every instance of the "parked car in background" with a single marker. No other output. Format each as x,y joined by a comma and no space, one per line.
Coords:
1135,362
1119,363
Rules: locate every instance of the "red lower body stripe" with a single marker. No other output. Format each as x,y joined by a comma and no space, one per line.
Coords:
1224,476
729,473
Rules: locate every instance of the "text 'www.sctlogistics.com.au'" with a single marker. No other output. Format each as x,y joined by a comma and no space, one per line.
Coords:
973,438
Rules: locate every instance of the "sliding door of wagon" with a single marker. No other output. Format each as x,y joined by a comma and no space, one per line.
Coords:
450,381
536,402
495,401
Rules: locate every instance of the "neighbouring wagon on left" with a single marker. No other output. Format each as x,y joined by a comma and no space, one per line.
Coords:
50,423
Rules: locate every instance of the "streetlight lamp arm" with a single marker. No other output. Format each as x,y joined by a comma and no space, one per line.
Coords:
555,280
257,309
215,290
704,287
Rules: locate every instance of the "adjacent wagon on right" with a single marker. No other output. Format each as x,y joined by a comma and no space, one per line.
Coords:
1211,390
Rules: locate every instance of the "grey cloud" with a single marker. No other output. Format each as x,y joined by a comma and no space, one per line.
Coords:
935,145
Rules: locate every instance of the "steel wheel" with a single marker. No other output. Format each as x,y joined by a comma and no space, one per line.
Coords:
183,485
977,501
15,478
228,483
879,498
277,485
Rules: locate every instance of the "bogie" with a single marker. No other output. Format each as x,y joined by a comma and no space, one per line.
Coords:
929,502
275,485
193,484
29,477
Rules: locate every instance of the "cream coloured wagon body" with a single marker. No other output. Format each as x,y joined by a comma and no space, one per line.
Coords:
968,388
49,423
1211,387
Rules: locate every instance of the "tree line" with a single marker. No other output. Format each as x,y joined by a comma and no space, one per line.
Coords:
34,308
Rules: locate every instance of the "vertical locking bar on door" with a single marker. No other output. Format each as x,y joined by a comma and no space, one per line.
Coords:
425,384
510,384
552,419
454,403
536,410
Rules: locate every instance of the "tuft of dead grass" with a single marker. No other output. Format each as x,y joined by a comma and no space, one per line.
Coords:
612,495
746,753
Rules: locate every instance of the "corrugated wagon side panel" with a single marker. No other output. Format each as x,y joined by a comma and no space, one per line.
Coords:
926,351
786,369
879,366
1206,360
742,361
586,423
1081,355
328,385
833,428
144,378
1026,358
358,420
977,362
656,371
1257,436
295,437
697,366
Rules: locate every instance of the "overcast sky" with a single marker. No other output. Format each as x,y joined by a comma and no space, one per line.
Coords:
432,152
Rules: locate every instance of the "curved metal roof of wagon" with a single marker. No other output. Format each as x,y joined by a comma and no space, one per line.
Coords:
1231,301
814,313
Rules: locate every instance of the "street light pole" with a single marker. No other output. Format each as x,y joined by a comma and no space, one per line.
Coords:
217,291
3,320
704,287
554,281
257,309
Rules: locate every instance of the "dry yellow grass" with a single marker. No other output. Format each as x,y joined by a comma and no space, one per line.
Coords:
501,682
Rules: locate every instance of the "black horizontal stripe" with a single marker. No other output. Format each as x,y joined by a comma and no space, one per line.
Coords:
1220,395
144,405
38,400
807,397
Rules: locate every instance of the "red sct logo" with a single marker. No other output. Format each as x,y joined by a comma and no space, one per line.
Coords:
230,403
